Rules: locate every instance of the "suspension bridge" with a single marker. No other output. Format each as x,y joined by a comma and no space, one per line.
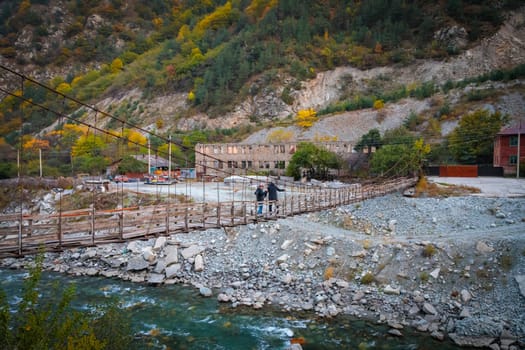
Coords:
22,234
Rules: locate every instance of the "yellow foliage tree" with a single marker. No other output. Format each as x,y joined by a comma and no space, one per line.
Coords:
259,8
135,139
184,33
33,144
64,88
220,18
378,48
305,118
116,65
191,96
157,22
379,104
280,135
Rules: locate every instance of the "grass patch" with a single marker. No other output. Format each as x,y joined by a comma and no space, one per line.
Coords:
367,278
328,273
506,262
424,276
429,251
429,189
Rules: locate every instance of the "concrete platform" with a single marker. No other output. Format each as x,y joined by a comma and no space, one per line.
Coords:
489,186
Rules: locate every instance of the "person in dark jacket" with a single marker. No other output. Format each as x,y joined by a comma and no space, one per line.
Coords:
272,196
260,194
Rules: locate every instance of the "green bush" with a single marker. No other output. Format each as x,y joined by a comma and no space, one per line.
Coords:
55,324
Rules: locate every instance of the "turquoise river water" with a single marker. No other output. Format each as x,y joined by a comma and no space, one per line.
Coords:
176,317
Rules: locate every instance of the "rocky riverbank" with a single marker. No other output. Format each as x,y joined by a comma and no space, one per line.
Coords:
452,267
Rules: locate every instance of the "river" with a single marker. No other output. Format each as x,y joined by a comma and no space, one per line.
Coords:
177,317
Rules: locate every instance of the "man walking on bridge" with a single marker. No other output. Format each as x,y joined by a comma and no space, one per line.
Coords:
272,196
260,194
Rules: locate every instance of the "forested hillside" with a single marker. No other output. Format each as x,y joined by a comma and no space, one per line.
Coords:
213,55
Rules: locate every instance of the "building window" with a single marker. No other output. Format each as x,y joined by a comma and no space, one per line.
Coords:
513,160
221,164
279,164
249,164
243,164
513,141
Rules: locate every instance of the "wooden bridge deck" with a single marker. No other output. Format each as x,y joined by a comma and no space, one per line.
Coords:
28,234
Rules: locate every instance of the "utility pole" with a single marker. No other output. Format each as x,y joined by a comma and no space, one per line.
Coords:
40,160
169,159
518,160
149,157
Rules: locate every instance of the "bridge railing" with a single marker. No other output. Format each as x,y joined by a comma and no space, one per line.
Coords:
25,234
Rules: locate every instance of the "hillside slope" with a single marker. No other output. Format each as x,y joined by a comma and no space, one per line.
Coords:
503,50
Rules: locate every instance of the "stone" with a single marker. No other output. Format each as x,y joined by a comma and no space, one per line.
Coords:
160,267
155,278
149,255
465,295
520,279
172,255
475,341
198,264
391,290
435,273
160,242
172,270
358,295
282,259
223,298
137,264
395,332
429,309
191,251
287,243
464,313
482,247
437,335
205,291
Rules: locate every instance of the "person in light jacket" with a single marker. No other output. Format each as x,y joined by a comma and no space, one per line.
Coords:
260,194
272,196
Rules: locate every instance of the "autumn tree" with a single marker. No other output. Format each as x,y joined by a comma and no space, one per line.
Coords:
472,141
305,118
399,159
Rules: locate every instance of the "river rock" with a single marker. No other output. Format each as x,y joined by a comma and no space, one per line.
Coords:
172,255
391,290
160,242
465,296
429,309
149,255
192,251
172,270
520,279
155,278
137,264
205,291
198,264
223,298
482,247
477,342
286,244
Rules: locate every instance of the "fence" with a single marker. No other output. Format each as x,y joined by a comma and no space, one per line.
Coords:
26,234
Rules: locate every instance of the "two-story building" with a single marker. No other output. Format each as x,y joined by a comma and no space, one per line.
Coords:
509,148
225,159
